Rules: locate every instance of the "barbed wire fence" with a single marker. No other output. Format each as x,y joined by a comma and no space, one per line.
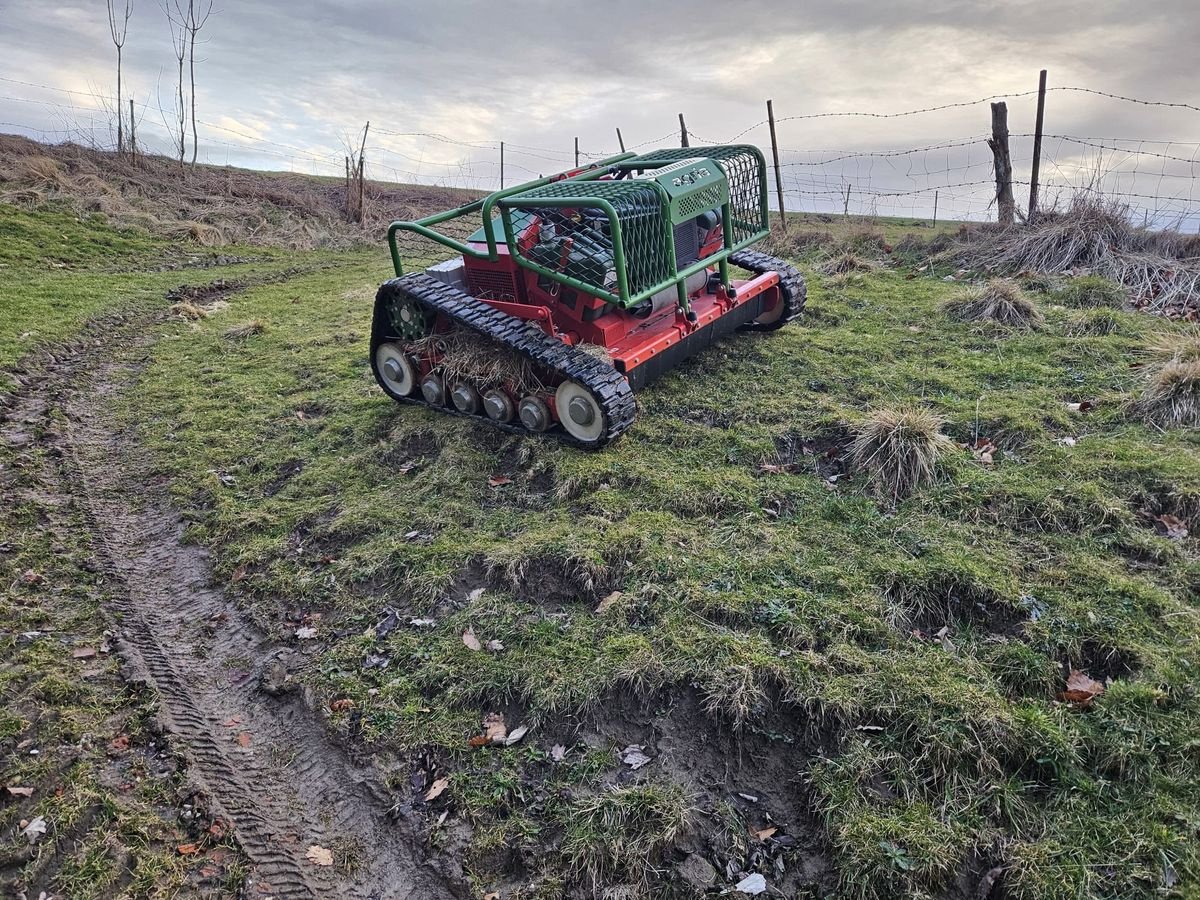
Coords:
951,179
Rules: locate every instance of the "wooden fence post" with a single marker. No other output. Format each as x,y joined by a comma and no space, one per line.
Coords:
846,206
502,165
683,135
620,140
778,174
1037,147
935,201
577,153
1006,208
132,137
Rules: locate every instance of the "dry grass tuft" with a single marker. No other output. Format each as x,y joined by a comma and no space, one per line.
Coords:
245,330
1095,322
1171,397
471,357
846,263
1177,346
1160,269
899,448
189,311
1000,300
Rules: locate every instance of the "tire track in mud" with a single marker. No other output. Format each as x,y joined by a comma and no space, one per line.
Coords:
265,763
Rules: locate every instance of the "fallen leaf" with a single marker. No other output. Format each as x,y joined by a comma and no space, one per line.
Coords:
492,895
764,833
558,753
478,740
515,735
341,705
1081,689
475,595
1174,527
633,756
494,646
239,574
437,789
1083,406
32,577
306,633
472,642
120,742
609,601
499,480
83,653
1066,441
187,849
494,728
243,739
218,828
422,623
752,885
35,829
20,791
319,856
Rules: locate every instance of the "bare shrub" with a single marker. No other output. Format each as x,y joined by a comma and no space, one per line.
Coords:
899,448
1000,300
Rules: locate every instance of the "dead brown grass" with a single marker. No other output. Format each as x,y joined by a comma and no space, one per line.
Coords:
1171,396
208,205
245,329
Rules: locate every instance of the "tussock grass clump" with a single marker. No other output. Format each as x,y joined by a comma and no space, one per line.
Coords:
1177,346
1095,323
245,329
1001,300
1091,291
1171,397
846,263
899,448
618,835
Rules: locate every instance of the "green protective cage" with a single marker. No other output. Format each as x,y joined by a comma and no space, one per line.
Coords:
618,229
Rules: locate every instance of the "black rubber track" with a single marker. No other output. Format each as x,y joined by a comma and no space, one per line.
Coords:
791,286
610,387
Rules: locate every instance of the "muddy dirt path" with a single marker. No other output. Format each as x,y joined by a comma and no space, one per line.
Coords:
262,759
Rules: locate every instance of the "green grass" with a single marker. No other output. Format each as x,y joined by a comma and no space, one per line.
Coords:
776,597
783,626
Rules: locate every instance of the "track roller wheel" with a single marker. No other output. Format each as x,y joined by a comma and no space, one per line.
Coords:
397,374
579,411
534,414
433,389
466,399
498,406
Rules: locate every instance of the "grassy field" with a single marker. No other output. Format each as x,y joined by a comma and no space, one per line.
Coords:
878,682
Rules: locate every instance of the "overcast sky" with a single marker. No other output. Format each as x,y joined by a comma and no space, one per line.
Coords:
283,84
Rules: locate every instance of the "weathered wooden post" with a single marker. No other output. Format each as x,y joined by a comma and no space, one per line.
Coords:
1037,146
1006,208
683,135
778,174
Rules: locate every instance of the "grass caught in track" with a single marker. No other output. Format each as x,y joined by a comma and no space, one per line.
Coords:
884,680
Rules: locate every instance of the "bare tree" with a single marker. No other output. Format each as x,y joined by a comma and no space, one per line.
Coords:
195,19
118,27
177,21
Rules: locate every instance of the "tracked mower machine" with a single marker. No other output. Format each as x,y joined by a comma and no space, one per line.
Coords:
573,291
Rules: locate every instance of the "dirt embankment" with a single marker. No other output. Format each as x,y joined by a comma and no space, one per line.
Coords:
210,205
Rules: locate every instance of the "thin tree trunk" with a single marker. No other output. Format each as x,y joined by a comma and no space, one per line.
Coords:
192,72
120,110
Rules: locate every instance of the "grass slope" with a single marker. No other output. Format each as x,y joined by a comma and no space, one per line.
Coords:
894,670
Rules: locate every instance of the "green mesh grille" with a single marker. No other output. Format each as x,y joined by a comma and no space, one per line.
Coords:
747,176
577,242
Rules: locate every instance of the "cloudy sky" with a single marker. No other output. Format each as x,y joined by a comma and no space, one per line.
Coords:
285,84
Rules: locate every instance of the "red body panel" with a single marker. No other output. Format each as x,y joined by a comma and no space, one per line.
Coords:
576,317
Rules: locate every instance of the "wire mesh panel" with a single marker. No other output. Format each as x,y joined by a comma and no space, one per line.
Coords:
746,171
575,235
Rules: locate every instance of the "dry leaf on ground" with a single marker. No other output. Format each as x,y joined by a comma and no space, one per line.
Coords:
1174,527
20,791
609,601
437,789
472,642
320,856
1081,689
494,728
633,756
